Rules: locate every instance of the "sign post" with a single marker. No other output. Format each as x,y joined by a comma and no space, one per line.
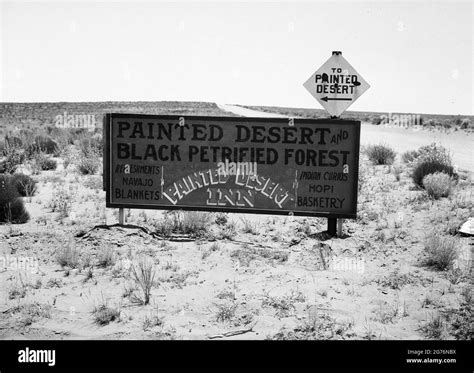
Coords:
278,166
336,85
121,217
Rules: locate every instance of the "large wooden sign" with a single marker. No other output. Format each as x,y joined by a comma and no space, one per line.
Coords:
232,164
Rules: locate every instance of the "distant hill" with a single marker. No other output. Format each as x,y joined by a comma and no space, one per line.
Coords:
428,120
46,113
26,115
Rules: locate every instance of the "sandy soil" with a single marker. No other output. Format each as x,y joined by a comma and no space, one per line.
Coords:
268,279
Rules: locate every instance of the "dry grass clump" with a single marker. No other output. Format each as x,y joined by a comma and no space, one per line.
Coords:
18,290
31,312
225,312
248,226
104,314
319,326
461,320
68,256
247,254
194,223
438,185
381,154
457,322
396,280
151,321
144,276
106,257
434,328
284,305
441,251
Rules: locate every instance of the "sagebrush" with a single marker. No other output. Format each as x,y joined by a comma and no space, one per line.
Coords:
438,185
381,154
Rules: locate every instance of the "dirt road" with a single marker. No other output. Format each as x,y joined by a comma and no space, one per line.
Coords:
459,143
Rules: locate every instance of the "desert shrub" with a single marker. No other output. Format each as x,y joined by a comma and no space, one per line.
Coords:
195,222
410,155
61,200
70,155
90,154
90,144
48,164
41,162
425,168
13,142
377,120
434,152
12,208
88,164
25,185
144,276
433,158
94,183
221,218
13,159
380,154
441,251
430,123
438,185
43,144
228,231
63,138
46,144
466,123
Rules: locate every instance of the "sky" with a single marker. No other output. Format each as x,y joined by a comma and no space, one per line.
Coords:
417,57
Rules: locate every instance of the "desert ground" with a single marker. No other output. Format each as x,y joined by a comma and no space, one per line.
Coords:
70,272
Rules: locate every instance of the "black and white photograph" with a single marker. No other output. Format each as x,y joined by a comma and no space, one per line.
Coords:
294,177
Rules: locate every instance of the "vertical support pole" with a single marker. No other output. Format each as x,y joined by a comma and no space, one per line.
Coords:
334,226
121,217
332,223
339,227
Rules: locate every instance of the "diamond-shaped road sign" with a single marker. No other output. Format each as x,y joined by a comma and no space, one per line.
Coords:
336,85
